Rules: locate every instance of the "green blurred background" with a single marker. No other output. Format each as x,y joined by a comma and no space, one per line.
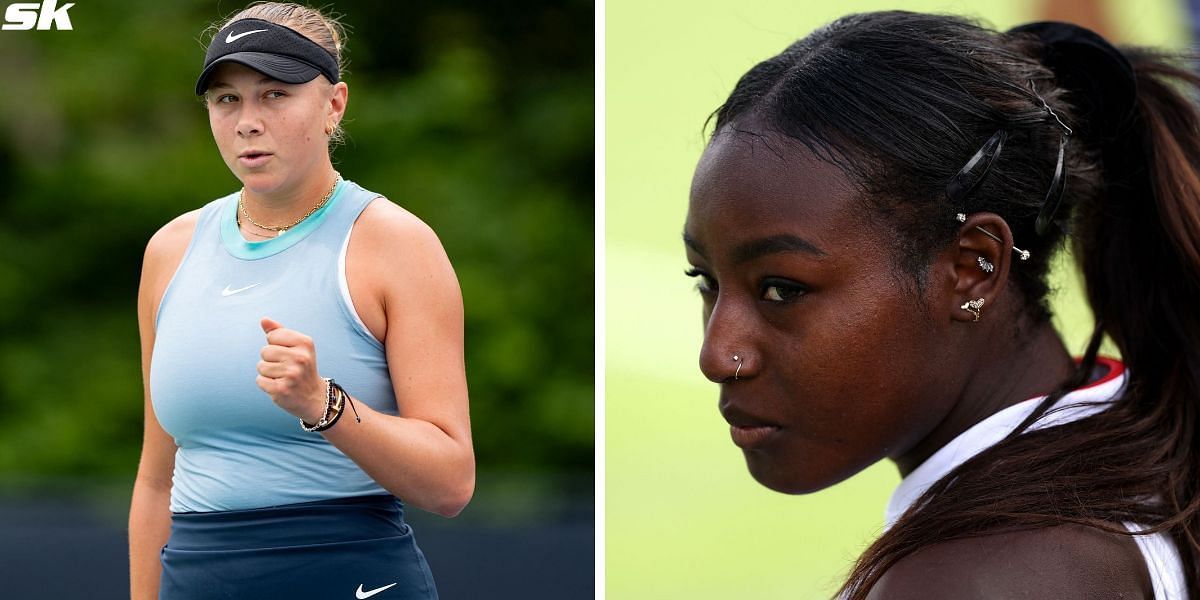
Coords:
476,116
683,518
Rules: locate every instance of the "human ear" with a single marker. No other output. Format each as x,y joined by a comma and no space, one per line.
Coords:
336,109
984,255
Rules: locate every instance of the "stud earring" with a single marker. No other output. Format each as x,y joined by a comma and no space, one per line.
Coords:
973,307
739,368
1022,254
985,265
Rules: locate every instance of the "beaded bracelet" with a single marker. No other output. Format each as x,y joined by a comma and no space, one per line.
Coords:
335,402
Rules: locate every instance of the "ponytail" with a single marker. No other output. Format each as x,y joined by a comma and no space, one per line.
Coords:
1139,250
1139,241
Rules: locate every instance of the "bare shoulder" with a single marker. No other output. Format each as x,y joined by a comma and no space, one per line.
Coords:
397,271
1061,562
387,225
171,240
399,250
164,252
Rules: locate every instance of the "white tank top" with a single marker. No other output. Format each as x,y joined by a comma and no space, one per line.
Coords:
1158,550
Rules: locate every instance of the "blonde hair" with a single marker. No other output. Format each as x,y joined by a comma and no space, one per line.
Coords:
326,31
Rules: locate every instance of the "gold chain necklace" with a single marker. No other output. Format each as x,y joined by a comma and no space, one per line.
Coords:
280,229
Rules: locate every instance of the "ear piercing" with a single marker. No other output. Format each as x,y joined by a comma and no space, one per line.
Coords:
739,367
985,265
973,307
1023,254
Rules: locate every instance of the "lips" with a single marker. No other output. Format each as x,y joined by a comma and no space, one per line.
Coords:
746,430
254,158
749,438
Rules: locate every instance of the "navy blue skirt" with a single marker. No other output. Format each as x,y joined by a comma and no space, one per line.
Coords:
351,548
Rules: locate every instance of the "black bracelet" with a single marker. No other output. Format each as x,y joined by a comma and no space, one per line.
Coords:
336,399
339,405
331,408
342,391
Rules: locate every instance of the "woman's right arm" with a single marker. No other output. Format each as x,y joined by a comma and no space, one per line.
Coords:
149,512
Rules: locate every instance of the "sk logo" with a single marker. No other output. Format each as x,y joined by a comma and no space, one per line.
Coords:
23,16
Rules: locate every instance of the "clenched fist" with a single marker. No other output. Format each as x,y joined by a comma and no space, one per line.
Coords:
288,372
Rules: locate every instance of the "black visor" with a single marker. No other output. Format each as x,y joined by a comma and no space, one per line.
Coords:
270,49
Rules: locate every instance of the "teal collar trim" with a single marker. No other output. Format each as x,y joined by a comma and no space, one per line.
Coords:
239,247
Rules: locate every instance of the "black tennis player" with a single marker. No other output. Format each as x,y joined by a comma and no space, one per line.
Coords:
871,226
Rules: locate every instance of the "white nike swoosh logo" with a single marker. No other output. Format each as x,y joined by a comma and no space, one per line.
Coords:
229,292
229,38
360,594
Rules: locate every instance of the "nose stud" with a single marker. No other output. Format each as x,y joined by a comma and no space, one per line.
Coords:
738,359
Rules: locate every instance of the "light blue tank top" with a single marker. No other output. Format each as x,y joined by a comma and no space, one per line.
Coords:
237,449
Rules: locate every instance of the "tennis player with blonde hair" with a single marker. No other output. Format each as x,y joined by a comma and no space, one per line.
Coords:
302,350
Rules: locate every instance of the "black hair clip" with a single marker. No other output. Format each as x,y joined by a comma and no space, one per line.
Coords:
1053,195
969,177
1101,85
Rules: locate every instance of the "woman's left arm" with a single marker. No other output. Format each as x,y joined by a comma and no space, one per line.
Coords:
424,455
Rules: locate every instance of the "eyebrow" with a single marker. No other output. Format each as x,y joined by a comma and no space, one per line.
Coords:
774,245
761,247
222,84
691,242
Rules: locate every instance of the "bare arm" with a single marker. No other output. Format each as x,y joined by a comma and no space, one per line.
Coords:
424,455
1060,563
149,512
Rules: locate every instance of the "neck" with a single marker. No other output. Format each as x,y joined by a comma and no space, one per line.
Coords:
289,202
1031,365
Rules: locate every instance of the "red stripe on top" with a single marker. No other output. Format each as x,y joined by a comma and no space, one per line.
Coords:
1115,369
